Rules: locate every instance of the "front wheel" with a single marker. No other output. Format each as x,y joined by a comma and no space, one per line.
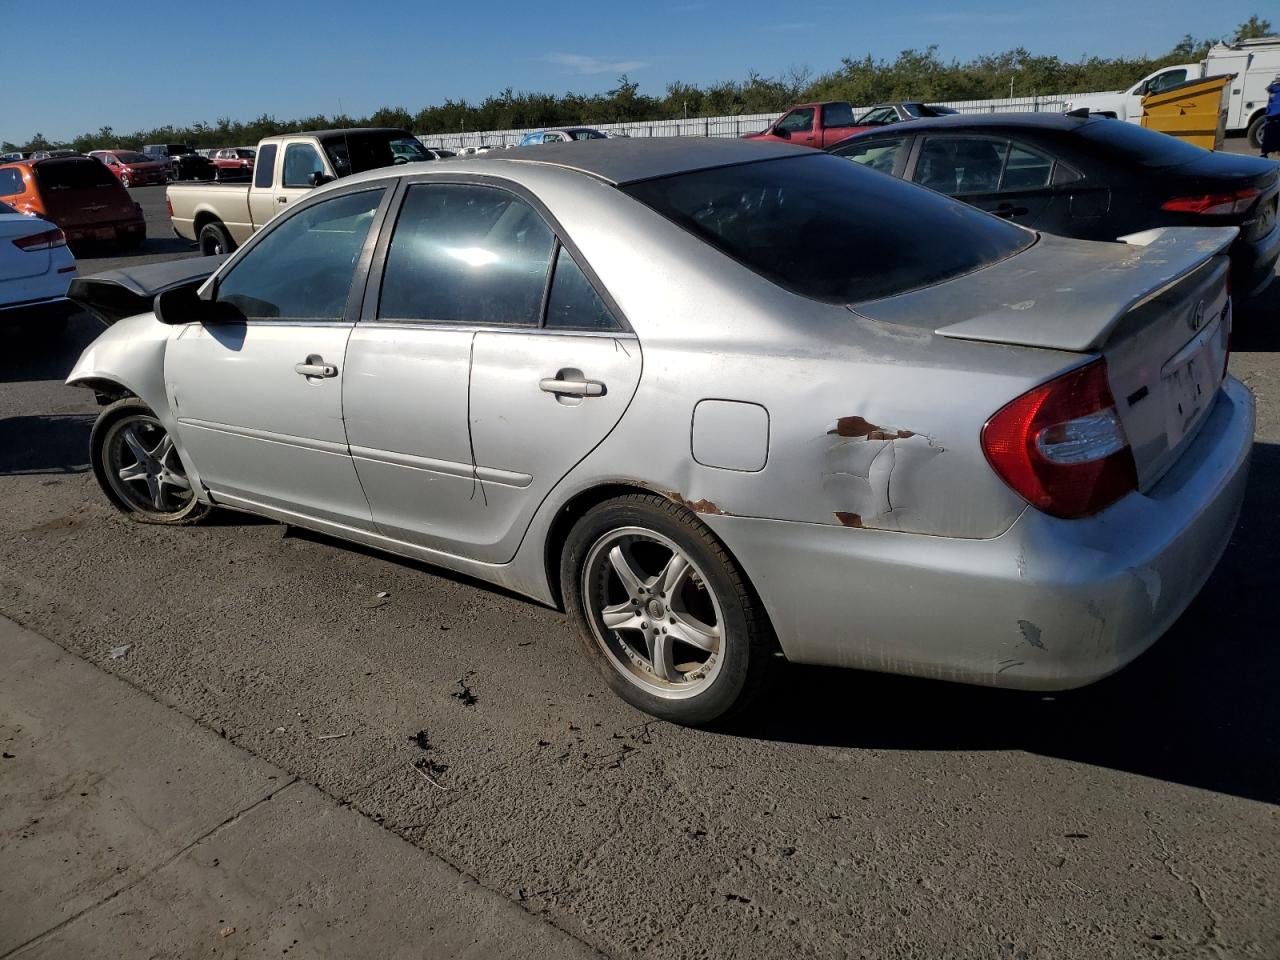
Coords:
124,181
138,467
664,612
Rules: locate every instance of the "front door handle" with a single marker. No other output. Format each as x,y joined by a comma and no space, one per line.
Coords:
1009,210
314,366
572,388
282,199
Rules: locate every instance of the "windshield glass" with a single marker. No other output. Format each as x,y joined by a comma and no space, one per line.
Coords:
832,230
70,174
356,152
128,156
1140,145
245,154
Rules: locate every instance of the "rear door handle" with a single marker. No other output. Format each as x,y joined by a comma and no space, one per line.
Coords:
572,388
314,366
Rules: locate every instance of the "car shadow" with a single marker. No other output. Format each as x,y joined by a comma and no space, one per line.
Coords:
45,443
26,357
1257,324
1199,708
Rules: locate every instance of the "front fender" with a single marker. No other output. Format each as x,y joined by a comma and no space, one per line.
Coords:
130,355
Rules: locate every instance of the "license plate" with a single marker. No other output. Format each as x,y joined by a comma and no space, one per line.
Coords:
104,233
1190,381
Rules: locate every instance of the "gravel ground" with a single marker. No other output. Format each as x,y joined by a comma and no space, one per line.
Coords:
854,815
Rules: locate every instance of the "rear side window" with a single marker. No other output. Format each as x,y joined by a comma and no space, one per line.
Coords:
1116,139
961,165
574,303
827,229
466,254
265,167
73,174
10,182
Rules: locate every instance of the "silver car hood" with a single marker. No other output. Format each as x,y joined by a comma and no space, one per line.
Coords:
1058,294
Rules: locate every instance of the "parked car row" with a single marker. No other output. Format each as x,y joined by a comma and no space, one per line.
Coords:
901,411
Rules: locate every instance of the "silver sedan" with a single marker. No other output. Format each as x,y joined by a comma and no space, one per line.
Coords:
716,399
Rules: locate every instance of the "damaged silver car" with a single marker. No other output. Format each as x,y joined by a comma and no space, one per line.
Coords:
716,399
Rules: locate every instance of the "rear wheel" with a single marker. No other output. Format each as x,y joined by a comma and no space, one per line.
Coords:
664,612
138,467
1255,131
215,240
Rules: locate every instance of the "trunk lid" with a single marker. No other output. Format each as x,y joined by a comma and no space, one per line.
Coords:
1221,173
16,264
80,192
1155,307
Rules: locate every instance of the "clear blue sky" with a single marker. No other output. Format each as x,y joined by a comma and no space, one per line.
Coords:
93,63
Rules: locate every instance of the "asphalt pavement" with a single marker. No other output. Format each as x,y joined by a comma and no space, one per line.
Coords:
854,815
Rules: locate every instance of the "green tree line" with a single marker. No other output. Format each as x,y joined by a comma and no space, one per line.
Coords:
912,75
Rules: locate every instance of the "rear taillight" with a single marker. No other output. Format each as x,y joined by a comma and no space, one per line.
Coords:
1061,446
42,241
168,202
1214,204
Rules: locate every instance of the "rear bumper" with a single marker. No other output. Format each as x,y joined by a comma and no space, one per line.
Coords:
1048,605
1253,262
118,230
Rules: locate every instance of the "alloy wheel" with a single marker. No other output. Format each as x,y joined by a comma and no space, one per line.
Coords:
652,612
143,467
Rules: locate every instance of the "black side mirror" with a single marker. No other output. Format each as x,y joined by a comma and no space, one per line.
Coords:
782,132
320,178
183,305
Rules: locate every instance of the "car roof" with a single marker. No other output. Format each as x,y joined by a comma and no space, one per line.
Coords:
336,132
642,158
964,121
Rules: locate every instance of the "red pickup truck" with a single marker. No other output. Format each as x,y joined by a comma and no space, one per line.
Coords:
813,125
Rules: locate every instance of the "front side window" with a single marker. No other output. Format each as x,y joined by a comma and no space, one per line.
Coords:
797,121
466,254
265,168
961,165
301,162
302,269
574,303
879,155
827,229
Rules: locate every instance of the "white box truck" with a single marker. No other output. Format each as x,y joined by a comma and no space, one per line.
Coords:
1253,64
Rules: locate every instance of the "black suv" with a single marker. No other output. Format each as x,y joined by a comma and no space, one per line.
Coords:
184,162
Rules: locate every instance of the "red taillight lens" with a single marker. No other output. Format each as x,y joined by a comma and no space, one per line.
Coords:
1213,204
168,203
42,241
1061,446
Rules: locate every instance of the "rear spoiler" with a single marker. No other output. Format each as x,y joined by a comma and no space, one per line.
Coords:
1086,289
115,294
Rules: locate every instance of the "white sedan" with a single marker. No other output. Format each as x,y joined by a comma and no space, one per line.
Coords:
35,268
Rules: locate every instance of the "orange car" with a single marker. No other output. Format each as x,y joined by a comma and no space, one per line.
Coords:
79,194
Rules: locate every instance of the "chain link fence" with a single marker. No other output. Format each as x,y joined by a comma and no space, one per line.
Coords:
734,126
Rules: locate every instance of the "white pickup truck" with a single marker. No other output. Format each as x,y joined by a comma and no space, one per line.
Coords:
221,215
1254,64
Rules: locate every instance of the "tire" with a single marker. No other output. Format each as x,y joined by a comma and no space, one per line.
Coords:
128,438
215,240
124,181
696,684
1255,131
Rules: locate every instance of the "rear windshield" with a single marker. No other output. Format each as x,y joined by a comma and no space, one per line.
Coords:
357,152
832,230
71,174
1140,145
